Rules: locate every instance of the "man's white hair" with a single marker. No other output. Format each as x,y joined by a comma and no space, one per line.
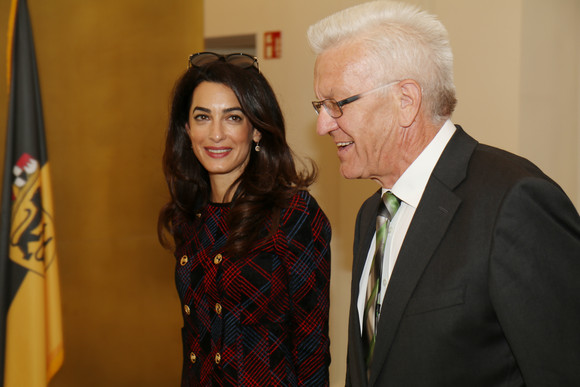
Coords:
406,42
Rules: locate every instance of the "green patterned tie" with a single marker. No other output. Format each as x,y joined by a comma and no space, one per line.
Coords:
387,209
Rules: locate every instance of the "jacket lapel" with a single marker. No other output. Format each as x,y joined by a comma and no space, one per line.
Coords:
363,238
366,233
430,222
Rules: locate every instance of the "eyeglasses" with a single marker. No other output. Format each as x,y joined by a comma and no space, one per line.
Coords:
244,61
334,107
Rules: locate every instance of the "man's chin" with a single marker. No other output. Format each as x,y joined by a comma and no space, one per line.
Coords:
349,173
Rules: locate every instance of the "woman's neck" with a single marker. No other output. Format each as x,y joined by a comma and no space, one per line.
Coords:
221,193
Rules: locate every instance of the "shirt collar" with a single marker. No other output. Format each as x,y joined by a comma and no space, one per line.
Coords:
411,185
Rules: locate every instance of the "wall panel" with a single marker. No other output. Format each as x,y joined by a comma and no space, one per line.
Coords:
106,70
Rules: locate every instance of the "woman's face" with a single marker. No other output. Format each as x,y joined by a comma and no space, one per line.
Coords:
221,134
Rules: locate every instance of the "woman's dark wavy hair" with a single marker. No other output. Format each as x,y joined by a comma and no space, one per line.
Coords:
266,185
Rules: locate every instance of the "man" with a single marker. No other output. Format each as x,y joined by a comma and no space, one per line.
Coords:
479,280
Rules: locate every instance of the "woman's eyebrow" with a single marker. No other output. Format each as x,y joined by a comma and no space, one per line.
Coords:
227,110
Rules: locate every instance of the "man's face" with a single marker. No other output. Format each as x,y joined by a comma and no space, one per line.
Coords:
366,135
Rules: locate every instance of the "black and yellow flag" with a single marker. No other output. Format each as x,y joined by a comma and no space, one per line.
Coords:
30,312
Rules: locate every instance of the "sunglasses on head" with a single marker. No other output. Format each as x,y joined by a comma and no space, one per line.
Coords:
242,60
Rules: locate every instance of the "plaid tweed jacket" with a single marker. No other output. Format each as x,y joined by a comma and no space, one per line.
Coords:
261,320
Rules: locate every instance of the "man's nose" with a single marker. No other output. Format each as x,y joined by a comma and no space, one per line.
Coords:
325,123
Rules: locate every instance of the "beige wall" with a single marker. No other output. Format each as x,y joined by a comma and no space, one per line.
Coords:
106,71
549,91
517,76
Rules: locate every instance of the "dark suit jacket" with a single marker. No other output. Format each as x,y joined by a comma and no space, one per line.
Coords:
486,288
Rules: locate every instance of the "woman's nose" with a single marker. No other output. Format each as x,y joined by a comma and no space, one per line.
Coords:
216,132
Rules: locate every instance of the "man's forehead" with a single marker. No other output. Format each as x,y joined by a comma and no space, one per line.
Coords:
348,65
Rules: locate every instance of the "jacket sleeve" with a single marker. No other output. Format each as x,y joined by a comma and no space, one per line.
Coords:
307,237
535,282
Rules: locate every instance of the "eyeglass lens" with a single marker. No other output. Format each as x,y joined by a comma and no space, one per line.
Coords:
332,108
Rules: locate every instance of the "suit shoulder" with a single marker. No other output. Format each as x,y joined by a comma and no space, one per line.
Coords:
501,165
498,173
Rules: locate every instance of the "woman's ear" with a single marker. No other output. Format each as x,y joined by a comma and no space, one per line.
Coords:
410,100
257,136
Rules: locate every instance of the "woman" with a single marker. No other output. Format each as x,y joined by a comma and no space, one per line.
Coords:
252,246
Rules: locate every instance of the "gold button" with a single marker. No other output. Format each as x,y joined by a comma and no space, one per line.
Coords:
217,259
186,309
192,357
218,358
184,260
218,308
198,215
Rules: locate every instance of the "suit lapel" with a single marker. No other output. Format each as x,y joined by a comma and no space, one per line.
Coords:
430,222
363,238
367,231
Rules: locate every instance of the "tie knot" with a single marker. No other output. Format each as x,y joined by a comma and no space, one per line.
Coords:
392,203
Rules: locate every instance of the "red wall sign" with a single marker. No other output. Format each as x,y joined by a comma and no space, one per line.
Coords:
272,44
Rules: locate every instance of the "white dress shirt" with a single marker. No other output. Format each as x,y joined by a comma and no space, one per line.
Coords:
409,189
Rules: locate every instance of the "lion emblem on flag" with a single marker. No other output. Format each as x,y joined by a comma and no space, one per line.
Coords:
32,233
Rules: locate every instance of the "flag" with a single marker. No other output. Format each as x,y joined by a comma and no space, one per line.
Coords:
31,349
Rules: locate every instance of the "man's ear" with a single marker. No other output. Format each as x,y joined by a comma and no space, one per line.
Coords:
410,100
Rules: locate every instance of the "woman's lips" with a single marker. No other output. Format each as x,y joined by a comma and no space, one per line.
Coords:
217,153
